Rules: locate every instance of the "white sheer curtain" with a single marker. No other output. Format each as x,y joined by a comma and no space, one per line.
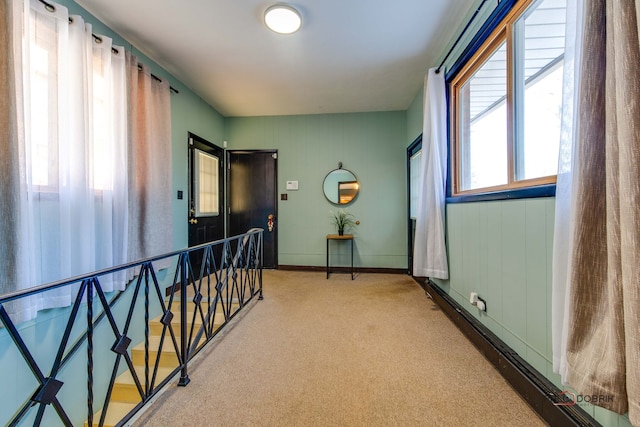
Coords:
565,192
430,252
71,117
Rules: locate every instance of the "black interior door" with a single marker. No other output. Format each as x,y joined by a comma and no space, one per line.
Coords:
252,197
206,194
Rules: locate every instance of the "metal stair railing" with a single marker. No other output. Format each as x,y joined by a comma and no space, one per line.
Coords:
230,276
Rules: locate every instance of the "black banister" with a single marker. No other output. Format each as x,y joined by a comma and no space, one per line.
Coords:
232,271
10,296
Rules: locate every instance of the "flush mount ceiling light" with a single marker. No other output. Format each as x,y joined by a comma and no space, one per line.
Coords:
282,19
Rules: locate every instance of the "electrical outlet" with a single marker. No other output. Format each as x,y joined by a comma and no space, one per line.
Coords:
473,298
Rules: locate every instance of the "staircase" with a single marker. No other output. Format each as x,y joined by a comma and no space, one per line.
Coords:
125,395
93,319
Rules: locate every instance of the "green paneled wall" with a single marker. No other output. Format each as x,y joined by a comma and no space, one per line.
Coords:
188,114
371,145
503,250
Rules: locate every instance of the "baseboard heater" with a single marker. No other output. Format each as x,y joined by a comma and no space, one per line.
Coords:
541,394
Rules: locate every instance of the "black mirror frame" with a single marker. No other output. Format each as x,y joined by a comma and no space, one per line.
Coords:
353,180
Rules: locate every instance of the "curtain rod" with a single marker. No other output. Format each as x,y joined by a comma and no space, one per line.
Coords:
51,8
156,78
460,36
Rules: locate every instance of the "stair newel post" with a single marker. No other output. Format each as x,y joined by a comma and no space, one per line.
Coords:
184,267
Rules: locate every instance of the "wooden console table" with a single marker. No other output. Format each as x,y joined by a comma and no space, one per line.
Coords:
348,237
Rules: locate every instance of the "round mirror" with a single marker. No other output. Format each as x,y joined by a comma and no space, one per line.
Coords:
340,187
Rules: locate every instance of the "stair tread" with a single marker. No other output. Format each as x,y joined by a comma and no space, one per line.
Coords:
198,318
115,412
154,343
126,378
191,308
167,345
118,409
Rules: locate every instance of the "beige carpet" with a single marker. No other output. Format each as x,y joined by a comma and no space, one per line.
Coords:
370,352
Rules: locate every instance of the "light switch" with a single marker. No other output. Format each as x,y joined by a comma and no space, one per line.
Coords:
292,185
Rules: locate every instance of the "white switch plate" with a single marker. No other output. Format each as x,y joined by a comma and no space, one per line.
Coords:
292,185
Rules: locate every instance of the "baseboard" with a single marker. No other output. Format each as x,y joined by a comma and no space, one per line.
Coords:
343,269
541,394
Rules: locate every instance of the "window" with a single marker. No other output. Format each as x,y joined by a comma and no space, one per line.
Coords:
41,76
92,183
415,166
506,103
73,145
206,184
51,116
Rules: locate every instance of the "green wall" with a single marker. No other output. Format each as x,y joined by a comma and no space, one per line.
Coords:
415,117
503,251
371,145
188,114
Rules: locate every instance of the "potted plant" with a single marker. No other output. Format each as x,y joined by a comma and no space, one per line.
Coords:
343,219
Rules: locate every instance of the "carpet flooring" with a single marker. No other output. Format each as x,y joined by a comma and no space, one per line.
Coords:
374,351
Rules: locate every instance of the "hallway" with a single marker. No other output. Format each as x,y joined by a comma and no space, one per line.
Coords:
374,351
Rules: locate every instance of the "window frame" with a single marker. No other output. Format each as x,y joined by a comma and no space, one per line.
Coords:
502,32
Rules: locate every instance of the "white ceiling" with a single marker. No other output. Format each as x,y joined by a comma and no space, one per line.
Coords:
349,56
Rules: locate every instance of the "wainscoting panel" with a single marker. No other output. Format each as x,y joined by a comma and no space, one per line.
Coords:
502,251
